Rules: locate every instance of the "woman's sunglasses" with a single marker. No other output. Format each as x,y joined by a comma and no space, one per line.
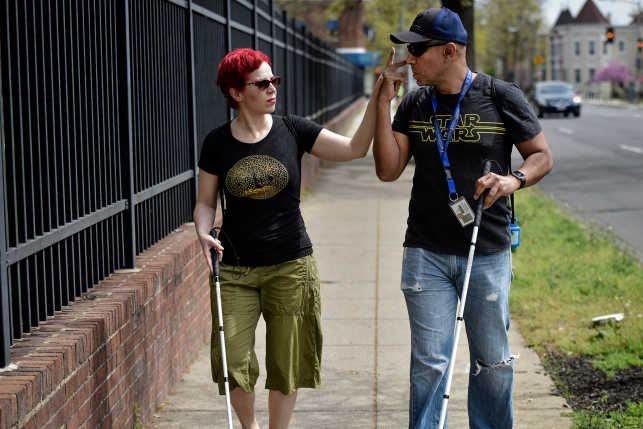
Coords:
417,49
265,83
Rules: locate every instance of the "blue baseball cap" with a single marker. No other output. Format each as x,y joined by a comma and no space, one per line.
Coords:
440,24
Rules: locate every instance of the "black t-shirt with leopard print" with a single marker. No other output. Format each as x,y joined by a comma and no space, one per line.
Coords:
262,184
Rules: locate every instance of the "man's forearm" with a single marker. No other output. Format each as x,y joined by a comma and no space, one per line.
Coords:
536,166
385,150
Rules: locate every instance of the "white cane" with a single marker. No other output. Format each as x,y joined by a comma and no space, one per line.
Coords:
443,413
215,266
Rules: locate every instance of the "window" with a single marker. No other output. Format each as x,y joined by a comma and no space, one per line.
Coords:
591,48
605,51
621,46
577,75
577,49
591,71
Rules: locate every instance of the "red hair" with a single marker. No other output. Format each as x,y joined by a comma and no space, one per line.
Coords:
235,68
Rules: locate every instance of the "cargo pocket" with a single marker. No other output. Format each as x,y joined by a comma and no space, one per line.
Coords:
289,288
312,294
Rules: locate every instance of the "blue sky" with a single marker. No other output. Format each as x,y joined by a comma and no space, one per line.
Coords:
620,11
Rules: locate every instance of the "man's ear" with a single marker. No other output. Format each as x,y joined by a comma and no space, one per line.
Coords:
236,94
450,50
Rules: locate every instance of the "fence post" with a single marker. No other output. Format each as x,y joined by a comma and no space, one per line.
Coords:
289,92
273,47
228,32
125,137
255,25
5,341
192,133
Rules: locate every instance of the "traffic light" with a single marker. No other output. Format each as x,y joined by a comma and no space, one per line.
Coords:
639,44
610,35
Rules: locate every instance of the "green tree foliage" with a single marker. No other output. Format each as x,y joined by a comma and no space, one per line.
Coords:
385,16
508,28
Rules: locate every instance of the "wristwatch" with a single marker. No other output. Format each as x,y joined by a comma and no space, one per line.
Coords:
518,175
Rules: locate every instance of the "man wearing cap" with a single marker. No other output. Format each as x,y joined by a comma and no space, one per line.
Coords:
470,129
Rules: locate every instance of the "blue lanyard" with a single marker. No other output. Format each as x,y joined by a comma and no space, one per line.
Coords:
442,146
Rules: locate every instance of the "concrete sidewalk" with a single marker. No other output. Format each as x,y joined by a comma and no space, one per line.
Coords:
613,103
357,226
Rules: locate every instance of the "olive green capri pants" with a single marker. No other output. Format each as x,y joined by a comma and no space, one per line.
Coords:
288,296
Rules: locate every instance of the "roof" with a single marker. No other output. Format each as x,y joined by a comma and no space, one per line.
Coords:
565,17
637,19
590,14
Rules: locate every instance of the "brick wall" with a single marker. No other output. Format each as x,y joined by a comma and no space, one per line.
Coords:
126,343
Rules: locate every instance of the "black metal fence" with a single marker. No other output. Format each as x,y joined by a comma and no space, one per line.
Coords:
104,108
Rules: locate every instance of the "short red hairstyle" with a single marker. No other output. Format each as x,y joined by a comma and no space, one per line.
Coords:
235,68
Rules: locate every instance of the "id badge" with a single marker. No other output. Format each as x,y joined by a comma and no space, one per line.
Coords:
462,211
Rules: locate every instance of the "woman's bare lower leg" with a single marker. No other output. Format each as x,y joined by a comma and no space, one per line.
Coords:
244,405
280,407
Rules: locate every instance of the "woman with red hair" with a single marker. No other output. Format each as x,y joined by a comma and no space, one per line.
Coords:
256,159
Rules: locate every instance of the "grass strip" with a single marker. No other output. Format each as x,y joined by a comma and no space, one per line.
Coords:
597,418
567,273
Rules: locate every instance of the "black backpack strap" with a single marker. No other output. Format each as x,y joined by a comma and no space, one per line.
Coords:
292,128
418,94
494,94
416,98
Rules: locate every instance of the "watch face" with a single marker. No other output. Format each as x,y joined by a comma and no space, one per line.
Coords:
520,177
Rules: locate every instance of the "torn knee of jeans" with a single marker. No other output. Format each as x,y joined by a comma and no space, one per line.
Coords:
482,364
492,297
415,288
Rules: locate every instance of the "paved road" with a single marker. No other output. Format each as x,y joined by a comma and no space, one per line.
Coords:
598,168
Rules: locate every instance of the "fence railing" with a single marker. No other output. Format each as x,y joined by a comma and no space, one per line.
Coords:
105,105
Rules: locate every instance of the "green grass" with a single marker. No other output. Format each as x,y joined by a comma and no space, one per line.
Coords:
597,418
566,274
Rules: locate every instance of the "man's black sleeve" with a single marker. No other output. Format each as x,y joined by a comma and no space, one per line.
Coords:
520,120
403,114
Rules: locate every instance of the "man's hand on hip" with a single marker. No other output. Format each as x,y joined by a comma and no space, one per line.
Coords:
499,186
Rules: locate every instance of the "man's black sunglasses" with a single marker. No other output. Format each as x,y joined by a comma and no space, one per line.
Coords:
417,49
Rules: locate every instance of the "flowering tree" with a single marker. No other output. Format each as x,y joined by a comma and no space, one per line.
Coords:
612,73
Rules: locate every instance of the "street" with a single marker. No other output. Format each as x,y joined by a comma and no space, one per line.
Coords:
598,168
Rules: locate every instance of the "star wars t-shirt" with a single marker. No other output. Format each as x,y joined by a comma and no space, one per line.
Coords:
480,135
262,183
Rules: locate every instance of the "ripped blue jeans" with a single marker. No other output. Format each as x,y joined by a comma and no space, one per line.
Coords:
432,284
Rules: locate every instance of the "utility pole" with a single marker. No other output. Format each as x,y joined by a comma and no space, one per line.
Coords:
639,25
466,16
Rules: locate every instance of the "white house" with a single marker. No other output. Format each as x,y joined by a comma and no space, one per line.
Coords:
578,49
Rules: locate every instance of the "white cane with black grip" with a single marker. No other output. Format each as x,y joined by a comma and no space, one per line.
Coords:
443,413
215,267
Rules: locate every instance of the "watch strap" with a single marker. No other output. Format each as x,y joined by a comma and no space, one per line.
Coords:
520,176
